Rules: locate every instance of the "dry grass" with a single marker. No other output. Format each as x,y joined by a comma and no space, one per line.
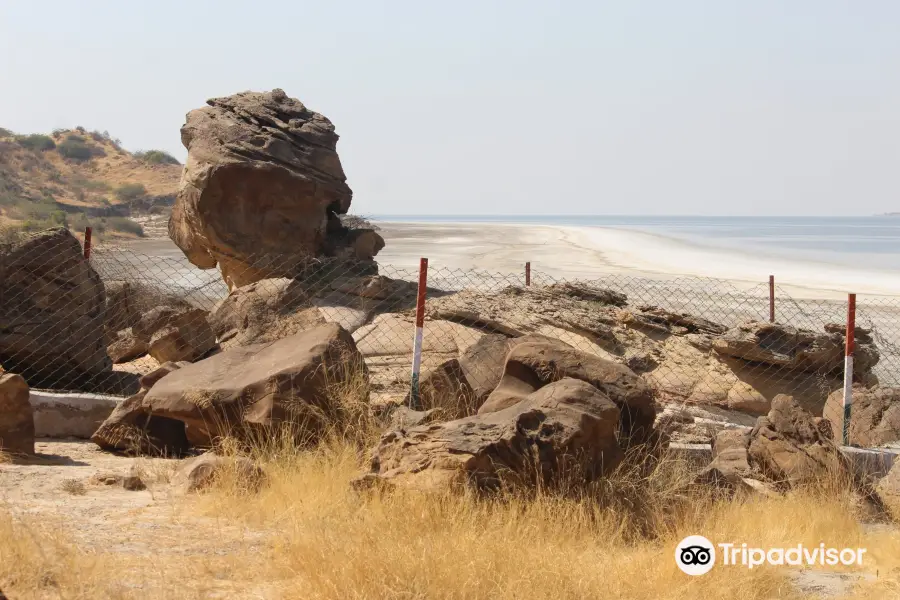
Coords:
322,540
74,487
311,536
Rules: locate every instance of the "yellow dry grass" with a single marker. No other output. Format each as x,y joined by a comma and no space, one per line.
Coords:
320,539
307,534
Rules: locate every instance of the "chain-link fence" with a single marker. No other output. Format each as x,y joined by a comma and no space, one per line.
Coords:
708,349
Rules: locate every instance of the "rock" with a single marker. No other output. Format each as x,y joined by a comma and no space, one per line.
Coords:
403,417
73,415
888,491
52,312
246,391
482,363
446,389
174,334
792,447
198,473
150,379
262,311
262,189
16,423
691,424
127,347
532,441
133,482
536,363
730,454
659,319
127,302
134,429
794,349
874,417
376,287
587,293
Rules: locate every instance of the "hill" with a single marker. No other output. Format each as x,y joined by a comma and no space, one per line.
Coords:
76,178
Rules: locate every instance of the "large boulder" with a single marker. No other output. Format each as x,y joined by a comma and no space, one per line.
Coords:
792,447
262,189
535,363
52,312
299,381
874,415
797,349
132,428
563,423
16,421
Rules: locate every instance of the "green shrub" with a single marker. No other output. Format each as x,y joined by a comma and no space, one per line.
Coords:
74,148
36,142
123,225
157,157
5,132
130,192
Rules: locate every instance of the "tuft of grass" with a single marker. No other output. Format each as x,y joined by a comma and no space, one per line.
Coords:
74,487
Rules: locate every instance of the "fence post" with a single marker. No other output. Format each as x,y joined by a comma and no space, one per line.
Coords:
848,367
417,343
771,298
528,273
87,243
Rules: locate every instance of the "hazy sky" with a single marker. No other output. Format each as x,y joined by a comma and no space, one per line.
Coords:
718,107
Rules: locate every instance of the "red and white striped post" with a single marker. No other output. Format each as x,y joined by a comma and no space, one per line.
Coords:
771,298
417,342
528,273
848,366
87,243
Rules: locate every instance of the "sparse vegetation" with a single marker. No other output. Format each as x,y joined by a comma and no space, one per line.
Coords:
74,487
129,192
157,157
36,142
75,148
5,132
123,225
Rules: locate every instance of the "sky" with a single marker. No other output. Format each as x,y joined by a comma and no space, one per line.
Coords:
634,107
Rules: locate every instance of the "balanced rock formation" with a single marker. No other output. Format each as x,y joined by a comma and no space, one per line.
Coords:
874,419
564,423
262,189
52,312
16,421
792,447
243,392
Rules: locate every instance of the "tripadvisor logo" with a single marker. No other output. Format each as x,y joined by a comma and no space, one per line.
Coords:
696,555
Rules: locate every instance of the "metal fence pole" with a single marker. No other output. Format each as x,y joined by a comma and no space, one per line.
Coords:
87,243
771,298
417,343
848,366
528,273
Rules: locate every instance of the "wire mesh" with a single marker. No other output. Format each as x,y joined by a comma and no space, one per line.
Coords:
706,344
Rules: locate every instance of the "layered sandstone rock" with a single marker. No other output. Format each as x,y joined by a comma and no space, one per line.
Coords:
568,423
262,190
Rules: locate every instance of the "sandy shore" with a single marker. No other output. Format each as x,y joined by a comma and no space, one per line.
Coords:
585,253
593,252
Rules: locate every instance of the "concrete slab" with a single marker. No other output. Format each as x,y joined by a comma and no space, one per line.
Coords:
76,415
